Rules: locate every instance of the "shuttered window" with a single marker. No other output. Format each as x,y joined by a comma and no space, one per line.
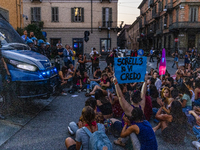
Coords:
35,14
54,14
77,14
106,17
193,14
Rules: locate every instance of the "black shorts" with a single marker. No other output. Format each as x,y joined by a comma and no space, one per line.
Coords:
72,147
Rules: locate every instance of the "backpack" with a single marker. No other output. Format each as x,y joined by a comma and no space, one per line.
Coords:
98,139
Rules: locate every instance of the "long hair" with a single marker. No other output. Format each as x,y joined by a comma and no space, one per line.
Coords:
165,88
137,114
88,115
99,96
63,70
185,90
177,113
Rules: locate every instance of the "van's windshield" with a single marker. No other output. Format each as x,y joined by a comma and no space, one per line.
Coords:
9,38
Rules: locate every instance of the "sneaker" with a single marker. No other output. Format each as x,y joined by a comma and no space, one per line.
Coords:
79,91
64,94
196,144
70,131
84,90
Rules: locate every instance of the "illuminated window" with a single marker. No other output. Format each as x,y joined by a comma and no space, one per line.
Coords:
77,14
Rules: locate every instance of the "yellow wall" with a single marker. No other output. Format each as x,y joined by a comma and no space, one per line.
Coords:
13,6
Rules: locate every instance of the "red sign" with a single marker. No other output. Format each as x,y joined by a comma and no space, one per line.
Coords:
176,39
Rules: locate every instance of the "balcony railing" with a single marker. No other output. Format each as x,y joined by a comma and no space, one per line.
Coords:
105,1
145,23
151,3
169,7
36,1
107,25
183,25
156,15
158,31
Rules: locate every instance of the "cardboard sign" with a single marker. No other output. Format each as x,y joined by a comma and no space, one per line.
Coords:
130,69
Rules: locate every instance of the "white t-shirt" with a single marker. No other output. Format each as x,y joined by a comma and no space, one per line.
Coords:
193,96
158,83
92,53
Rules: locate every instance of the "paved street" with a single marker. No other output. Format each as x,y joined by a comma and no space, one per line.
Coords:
45,126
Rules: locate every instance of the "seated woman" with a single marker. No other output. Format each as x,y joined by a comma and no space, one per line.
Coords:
165,100
82,138
103,104
97,73
104,85
197,93
186,98
63,78
170,83
173,125
142,129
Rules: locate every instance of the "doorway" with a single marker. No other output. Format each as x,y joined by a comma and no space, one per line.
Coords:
78,45
191,40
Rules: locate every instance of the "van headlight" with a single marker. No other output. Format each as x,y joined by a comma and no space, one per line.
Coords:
24,66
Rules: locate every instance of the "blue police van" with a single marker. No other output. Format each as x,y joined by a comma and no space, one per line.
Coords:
32,74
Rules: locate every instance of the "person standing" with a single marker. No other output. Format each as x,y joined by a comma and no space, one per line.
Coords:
67,54
175,55
60,53
25,36
48,51
59,43
158,58
3,73
31,35
151,55
95,59
41,47
74,55
134,53
82,60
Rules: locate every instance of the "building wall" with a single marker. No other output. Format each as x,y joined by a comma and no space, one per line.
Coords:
67,30
13,9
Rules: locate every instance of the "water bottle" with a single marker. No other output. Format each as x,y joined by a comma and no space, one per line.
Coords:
88,89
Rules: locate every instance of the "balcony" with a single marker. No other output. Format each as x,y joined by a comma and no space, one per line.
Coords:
36,1
107,25
145,23
151,3
156,15
169,7
140,24
105,1
184,25
158,31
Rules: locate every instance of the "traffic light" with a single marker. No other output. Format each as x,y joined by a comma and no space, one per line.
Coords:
86,34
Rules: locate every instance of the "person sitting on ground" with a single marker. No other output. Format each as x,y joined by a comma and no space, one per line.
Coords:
142,129
170,83
105,84
197,93
103,104
186,98
82,138
173,125
97,73
77,82
64,79
73,127
85,80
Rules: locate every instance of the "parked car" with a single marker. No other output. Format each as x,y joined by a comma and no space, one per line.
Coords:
32,74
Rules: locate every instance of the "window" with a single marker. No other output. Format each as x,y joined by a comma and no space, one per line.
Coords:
107,17
193,14
170,19
54,14
35,14
176,15
77,14
105,45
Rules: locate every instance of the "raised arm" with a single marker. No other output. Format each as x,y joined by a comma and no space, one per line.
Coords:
124,104
75,69
143,93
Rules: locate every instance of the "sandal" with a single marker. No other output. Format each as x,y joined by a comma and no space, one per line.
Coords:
119,142
87,94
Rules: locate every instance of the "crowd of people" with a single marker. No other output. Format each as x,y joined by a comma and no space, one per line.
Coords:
126,109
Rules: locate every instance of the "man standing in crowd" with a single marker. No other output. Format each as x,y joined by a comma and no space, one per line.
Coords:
67,54
25,36
48,50
95,58
59,43
60,53
31,35
74,55
151,55
158,82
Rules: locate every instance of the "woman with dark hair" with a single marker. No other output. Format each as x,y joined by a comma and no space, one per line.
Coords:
186,98
142,129
197,93
173,125
82,138
103,104
170,83
189,85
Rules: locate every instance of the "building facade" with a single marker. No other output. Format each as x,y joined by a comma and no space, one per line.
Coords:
12,11
170,24
67,20
123,37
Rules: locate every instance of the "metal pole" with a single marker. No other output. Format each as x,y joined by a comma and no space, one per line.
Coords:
91,17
